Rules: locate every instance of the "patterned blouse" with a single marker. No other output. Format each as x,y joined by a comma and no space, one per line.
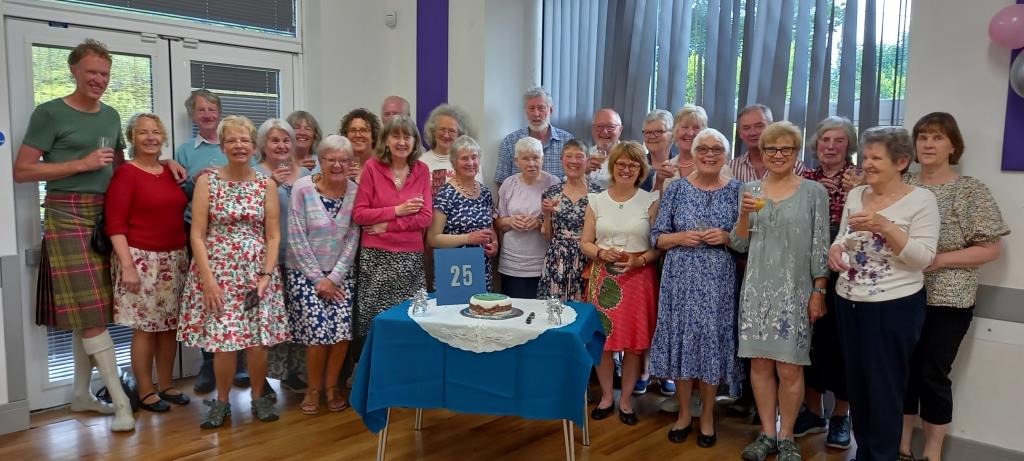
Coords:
834,187
969,216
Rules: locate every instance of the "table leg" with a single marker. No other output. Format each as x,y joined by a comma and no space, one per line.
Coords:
570,442
419,420
382,438
586,422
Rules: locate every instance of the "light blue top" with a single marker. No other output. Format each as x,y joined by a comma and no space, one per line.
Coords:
195,155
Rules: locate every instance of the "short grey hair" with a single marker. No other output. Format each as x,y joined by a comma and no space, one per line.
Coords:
660,115
709,133
334,143
209,96
835,122
464,142
453,111
761,107
529,144
895,139
537,91
269,125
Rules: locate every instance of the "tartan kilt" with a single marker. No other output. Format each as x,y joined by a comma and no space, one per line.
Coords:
74,289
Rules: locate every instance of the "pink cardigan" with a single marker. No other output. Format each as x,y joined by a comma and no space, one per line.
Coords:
376,201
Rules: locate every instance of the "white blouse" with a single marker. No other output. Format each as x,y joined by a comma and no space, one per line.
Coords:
876,272
623,224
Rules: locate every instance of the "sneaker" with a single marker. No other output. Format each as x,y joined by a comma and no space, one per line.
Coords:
641,386
788,451
263,409
668,387
760,448
294,383
808,423
219,411
839,433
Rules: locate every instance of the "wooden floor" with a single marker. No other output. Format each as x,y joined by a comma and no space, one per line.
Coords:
60,434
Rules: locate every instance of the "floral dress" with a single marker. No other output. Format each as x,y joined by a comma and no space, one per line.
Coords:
695,337
564,261
465,215
236,248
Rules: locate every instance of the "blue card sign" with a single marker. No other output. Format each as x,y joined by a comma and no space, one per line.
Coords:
458,274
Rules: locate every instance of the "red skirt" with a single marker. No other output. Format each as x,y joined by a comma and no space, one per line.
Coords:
627,303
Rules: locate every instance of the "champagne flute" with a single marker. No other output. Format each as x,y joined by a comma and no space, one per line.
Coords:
759,202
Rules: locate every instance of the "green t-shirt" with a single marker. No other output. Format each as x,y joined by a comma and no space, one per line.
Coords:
64,133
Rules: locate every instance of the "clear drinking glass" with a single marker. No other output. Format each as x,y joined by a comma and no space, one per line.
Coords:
759,202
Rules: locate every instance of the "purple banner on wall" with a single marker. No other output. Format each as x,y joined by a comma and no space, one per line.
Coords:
431,57
1013,133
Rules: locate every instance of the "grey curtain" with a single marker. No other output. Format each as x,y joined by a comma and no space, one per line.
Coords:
636,55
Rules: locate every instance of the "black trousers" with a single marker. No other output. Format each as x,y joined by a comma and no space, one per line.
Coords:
827,371
878,339
929,388
519,287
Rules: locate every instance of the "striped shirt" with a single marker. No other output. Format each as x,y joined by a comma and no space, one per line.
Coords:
743,169
552,153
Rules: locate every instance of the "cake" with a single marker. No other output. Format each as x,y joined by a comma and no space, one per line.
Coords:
490,304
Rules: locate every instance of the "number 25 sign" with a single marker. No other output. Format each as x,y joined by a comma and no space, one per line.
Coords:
458,274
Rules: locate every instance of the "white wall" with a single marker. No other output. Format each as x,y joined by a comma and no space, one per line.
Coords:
353,60
954,68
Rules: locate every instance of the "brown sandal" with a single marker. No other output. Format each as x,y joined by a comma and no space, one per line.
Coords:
311,408
334,400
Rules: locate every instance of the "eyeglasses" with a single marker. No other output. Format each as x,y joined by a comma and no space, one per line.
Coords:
705,150
359,131
627,166
339,161
611,127
447,131
653,133
786,151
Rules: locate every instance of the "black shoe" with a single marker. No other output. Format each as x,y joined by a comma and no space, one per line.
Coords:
241,379
679,435
177,399
599,413
628,419
156,407
205,382
707,441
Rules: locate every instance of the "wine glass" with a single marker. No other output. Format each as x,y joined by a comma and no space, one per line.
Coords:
618,243
759,202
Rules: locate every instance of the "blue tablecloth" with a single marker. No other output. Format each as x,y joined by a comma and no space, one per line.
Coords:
402,366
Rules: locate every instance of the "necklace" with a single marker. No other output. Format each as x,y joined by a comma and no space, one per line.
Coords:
687,165
473,192
400,177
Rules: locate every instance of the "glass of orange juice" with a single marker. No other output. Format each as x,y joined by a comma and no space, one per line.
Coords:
759,202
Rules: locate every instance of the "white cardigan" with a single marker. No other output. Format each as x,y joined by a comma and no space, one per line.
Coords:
876,273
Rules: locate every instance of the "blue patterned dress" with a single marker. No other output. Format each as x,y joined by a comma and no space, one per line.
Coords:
316,321
465,215
564,261
695,337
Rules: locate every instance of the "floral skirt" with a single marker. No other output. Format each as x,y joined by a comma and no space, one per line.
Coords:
156,306
627,303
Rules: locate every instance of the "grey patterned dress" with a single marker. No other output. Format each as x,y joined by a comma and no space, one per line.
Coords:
785,255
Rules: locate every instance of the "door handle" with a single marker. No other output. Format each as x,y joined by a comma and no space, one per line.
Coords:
32,256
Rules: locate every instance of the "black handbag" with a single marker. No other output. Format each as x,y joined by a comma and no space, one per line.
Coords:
130,388
100,241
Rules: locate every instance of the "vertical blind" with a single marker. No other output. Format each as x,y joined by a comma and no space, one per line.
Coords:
267,16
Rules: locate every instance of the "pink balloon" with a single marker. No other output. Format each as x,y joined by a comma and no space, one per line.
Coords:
1007,27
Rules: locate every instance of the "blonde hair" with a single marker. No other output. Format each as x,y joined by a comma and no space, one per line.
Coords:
237,122
779,130
134,120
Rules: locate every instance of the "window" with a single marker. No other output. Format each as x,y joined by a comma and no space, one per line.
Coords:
130,91
266,16
248,91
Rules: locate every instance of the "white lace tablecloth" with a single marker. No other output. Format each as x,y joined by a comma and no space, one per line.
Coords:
447,325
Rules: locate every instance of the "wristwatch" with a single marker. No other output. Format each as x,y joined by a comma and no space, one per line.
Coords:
820,290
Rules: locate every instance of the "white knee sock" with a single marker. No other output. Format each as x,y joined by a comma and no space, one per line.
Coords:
101,348
81,397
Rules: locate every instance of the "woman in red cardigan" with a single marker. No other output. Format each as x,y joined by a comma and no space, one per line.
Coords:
145,212
394,207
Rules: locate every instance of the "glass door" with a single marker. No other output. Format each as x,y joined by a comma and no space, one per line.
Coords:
38,70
